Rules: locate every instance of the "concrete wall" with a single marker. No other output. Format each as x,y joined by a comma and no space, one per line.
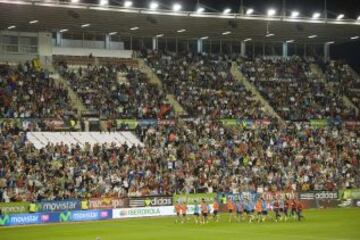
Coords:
94,52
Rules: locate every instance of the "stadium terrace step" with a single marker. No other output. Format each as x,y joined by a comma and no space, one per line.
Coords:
154,79
179,110
75,100
249,86
316,70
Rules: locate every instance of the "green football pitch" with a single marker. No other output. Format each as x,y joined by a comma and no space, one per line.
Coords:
340,224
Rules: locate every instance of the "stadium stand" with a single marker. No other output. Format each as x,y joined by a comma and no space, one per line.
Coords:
298,94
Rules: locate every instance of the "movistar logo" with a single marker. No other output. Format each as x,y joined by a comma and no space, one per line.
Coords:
4,220
64,216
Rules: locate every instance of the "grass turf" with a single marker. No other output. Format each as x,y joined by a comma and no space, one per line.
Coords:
336,224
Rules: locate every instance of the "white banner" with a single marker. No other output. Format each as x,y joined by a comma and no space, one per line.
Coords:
149,212
143,212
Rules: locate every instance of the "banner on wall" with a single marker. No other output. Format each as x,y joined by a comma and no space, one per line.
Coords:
105,203
81,216
191,198
14,207
54,217
143,212
24,219
53,206
150,201
320,199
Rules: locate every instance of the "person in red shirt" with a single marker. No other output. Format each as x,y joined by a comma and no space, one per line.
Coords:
276,207
216,210
184,208
293,208
299,208
230,205
178,209
258,209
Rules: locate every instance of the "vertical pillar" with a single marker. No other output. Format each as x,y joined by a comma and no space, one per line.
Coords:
305,50
107,41
58,39
243,49
166,44
220,42
285,49
199,45
131,43
187,45
326,52
176,45
155,43
210,47
263,48
253,50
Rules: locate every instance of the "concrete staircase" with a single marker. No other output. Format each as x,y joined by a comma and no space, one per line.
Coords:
250,87
316,70
74,98
154,79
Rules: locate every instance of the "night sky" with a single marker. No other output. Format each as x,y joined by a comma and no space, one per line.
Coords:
351,9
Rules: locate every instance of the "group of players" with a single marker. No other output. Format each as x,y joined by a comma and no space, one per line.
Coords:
242,210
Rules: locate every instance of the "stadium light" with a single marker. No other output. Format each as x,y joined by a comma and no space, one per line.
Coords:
358,18
128,4
11,27
226,33
249,11
354,37
247,39
340,16
104,2
75,1
112,33
85,25
316,15
269,35
160,35
200,10
134,28
271,12
295,14
154,5
204,38
312,36
177,7
181,30
290,41
329,43
226,11
33,21
63,30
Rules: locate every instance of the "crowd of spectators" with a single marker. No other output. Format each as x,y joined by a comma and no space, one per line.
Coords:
204,85
117,92
26,92
197,154
341,76
188,157
293,91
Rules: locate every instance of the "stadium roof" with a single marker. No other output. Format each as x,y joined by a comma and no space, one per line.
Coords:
53,17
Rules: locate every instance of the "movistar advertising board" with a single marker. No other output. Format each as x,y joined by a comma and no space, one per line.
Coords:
54,206
54,217
24,219
81,216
